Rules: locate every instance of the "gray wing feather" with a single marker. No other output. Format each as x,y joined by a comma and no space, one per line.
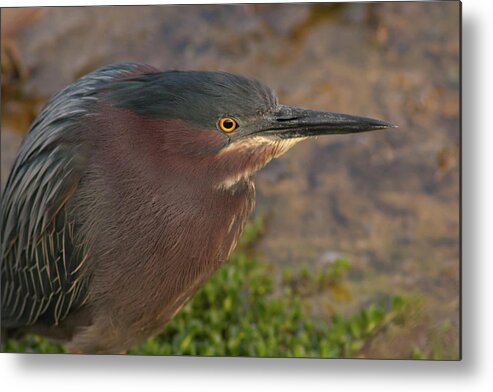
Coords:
42,274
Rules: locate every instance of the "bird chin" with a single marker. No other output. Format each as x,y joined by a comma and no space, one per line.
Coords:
257,152
283,145
276,146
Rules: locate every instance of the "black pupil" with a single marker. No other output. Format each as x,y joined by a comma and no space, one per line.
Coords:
228,124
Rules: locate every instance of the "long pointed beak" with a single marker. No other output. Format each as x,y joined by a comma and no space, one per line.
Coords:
291,122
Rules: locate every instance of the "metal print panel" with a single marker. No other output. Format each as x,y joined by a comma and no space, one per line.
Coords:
265,180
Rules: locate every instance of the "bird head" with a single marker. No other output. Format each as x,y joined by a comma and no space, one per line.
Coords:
224,123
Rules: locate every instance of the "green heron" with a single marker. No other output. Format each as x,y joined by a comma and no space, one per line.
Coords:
129,190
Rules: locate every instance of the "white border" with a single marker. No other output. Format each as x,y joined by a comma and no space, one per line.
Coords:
79,373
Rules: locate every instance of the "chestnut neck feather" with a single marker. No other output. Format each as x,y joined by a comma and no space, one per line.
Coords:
156,199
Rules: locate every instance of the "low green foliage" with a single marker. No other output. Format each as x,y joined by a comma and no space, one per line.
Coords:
33,344
239,313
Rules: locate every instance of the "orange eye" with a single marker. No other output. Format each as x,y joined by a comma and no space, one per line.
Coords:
228,124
